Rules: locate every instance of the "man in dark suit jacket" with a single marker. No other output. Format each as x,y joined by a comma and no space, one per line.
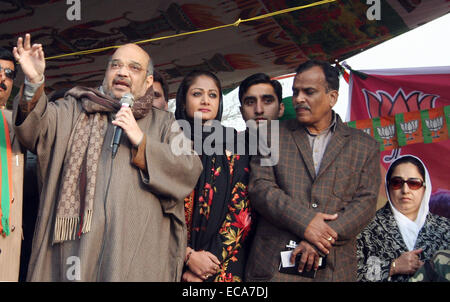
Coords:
322,191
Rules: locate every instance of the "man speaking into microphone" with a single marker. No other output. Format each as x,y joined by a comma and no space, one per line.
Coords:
103,217
126,101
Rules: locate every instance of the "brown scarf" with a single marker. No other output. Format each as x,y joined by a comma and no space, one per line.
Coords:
77,191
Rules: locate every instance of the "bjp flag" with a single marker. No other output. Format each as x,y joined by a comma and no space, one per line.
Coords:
409,128
416,101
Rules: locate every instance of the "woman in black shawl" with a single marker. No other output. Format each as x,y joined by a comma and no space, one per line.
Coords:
217,211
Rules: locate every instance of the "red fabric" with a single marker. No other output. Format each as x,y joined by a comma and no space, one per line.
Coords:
388,92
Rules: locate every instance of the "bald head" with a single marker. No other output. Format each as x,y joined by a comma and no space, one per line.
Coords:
129,70
141,51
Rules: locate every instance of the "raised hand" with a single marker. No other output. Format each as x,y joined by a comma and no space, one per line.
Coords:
126,120
30,58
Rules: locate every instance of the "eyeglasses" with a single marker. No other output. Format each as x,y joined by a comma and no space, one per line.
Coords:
396,183
132,67
9,73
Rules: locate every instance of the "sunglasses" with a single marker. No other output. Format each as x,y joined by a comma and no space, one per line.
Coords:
9,73
397,183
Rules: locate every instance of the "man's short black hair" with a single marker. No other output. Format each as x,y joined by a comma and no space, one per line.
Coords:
8,56
157,77
260,78
331,73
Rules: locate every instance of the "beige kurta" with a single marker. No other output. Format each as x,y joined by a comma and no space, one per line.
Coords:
10,245
138,231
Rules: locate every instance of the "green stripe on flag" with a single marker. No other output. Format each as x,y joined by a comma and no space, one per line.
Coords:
352,124
5,202
377,124
447,118
401,137
424,115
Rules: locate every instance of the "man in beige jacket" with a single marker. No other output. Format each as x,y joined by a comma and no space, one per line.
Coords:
11,212
104,217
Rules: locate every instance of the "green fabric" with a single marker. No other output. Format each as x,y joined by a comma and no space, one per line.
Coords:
5,200
289,112
401,137
447,118
377,124
434,270
352,124
424,115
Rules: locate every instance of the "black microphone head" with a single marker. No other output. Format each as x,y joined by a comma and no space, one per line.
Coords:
128,99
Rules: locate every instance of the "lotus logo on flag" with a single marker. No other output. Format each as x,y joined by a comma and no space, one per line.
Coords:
386,133
382,103
435,125
414,101
410,127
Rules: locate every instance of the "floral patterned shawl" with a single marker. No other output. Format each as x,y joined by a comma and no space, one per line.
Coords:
217,211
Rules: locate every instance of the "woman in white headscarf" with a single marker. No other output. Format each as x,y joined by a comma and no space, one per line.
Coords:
403,233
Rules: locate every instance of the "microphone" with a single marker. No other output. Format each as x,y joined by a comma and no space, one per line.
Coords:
126,101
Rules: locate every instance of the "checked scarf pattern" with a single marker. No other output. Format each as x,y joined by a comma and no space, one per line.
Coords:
77,192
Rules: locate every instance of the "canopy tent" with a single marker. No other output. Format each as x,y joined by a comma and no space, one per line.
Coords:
274,45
